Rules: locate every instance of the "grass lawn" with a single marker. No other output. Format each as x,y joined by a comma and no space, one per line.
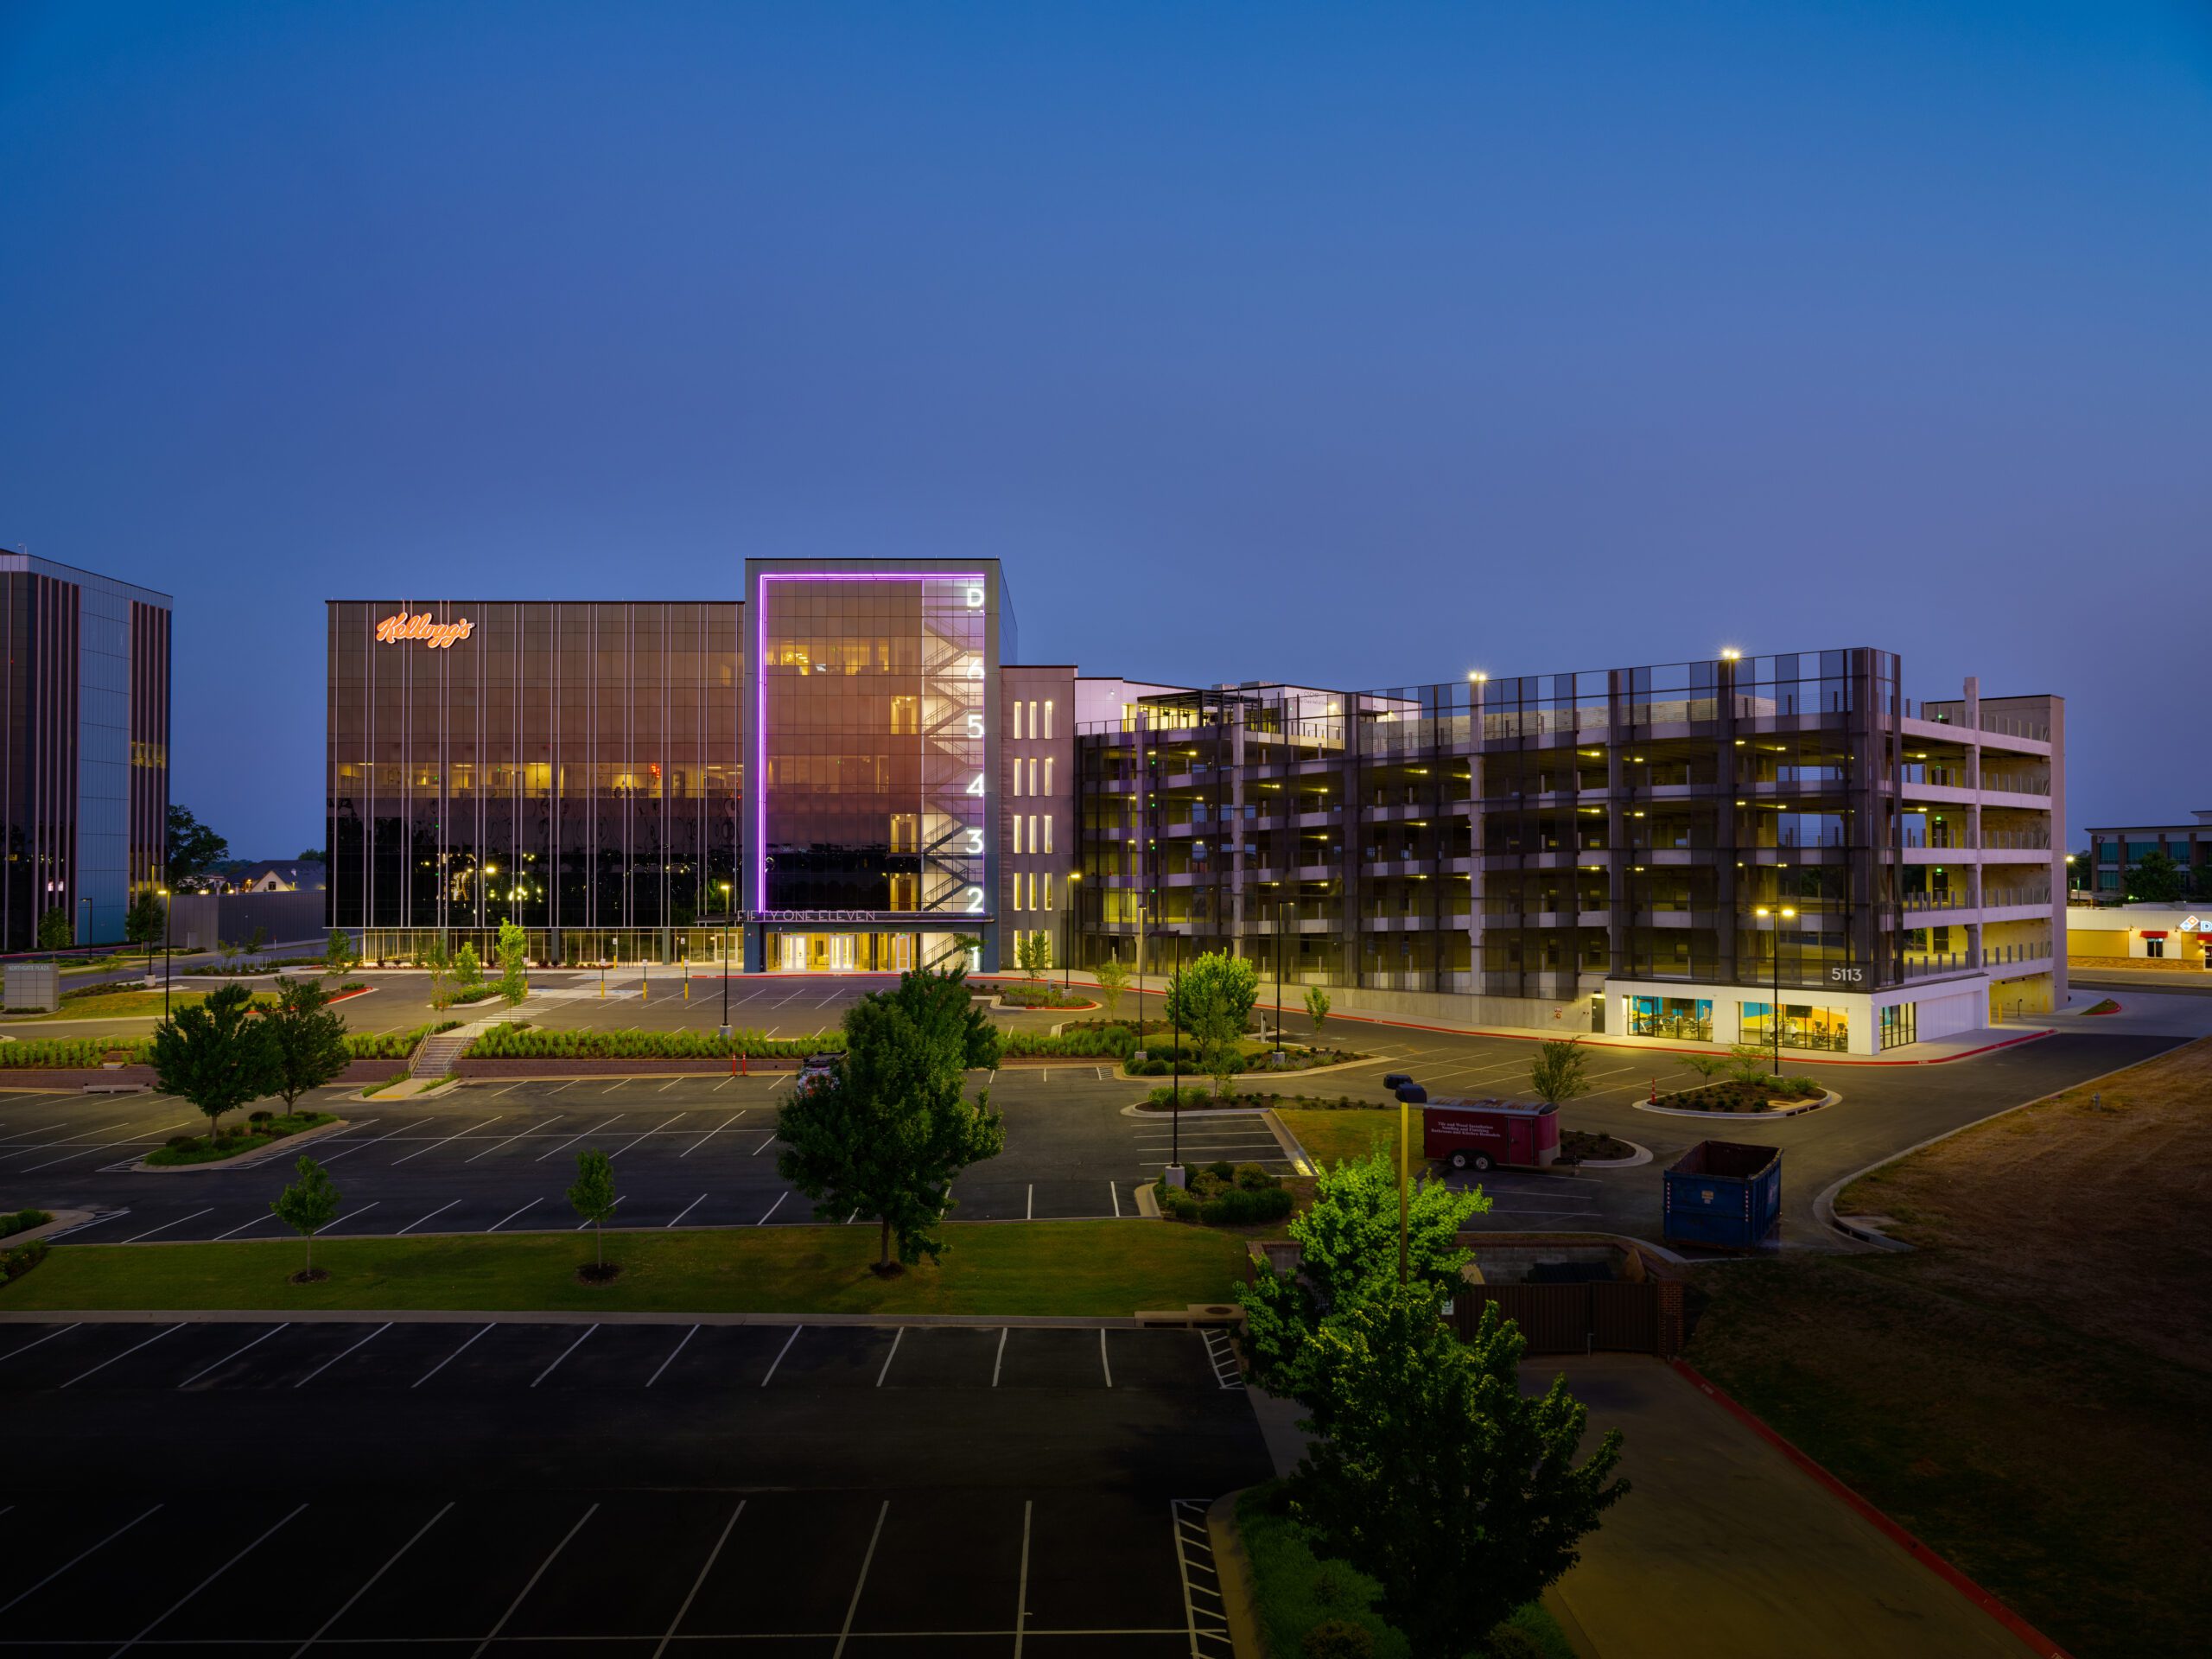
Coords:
1332,1136
1297,1591
2026,1389
989,1268
240,1138
123,1005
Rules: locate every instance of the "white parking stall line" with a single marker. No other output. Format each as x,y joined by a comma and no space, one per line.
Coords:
723,1084
711,1133
688,1209
565,1352
204,1582
570,1084
468,1129
655,1378
348,1215
1104,1364
895,1337
615,1206
35,1341
762,1147
845,1633
370,1584
447,1361
1029,1205
705,1567
780,1081
999,1358
335,1357
24,1595
493,1635
1114,1189
126,1354
166,1225
573,1139
780,1352
773,1208
235,1231
511,1138
419,1220
97,1221
665,1087
656,1129
1021,1585
365,1145
511,1215
494,1095
234,1354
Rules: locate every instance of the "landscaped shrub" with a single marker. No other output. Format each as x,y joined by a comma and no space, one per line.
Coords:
510,1042
23,1221
21,1260
82,1053
1223,1194
1338,1638
1109,1043
1238,1207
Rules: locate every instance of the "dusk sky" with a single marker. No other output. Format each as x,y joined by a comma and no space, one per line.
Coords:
1350,344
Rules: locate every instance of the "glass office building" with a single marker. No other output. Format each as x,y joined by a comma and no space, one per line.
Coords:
84,748
595,772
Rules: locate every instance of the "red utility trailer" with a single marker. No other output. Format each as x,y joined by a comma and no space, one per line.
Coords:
1477,1133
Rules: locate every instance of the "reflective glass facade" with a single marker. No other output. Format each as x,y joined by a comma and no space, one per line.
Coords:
572,767
84,748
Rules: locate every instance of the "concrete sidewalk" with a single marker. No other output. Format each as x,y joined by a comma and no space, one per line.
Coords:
1725,1547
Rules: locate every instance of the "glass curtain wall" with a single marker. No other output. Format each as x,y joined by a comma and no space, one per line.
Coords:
572,768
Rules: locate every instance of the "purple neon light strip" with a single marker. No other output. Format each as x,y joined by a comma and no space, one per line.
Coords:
759,780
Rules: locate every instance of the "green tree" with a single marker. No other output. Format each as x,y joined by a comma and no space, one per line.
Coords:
1225,986
1317,1008
142,922
308,1205
1558,1073
1436,1476
592,1196
308,1039
193,850
1707,1066
256,941
55,931
2156,880
338,957
888,1133
1113,979
313,855
514,964
467,969
1217,1031
1033,955
1747,1062
439,965
1348,1240
219,1054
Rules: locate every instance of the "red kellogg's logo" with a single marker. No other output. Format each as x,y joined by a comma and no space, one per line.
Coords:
435,634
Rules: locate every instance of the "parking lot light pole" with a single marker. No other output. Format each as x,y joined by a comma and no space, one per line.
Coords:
726,921
166,903
1067,934
1774,1009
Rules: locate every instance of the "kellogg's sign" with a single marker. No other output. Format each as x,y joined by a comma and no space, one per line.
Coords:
435,634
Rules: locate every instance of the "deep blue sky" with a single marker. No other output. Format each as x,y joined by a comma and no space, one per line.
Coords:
1354,344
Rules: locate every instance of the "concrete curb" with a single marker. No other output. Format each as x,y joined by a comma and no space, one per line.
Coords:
63,1220
1642,1156
1828,1097
2014,1624
1824,1204
248,1159
1240,1599
563,1316
1293,1147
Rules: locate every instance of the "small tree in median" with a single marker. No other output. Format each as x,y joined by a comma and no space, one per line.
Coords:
1113,979
468,971
887,1132
514,963
439,965
1557,1074
220,1054
592,1196
1218,985
55,931
307,1206
308,1041
142,922
1034,954
338,954
1707,1066
1317,1008
1216,1030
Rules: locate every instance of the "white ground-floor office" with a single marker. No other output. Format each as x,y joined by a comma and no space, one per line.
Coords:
1829,1021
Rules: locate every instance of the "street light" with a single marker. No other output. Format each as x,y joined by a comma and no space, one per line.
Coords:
1774,1009
1067,934
726,919
164,892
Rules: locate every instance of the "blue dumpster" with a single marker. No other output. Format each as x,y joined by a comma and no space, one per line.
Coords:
1723,1194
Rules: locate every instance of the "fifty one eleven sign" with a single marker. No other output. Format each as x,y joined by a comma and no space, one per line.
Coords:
435,634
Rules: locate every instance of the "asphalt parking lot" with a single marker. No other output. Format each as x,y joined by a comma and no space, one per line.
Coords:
699,1151
218,1486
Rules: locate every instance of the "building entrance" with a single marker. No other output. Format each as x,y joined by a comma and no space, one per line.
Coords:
844,953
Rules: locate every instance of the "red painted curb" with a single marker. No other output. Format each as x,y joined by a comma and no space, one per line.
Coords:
1928,1558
